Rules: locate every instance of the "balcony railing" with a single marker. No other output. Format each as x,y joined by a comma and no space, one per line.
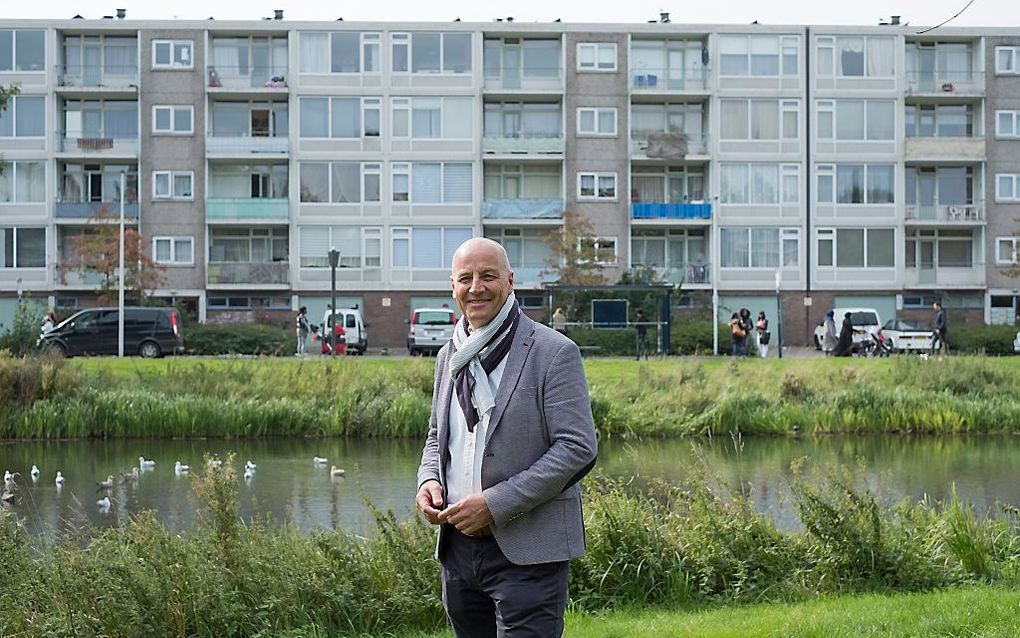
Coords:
247,144
667,145
946,82
523,145
663,79
671,211
86,143
98,75
77,277
945,212
246,77
88,210
522,209
234,208
967,274
534,79
255,273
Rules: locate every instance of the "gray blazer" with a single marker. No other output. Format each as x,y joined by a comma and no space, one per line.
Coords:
541,435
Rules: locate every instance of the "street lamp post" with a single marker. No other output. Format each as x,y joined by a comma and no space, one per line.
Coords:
334,261
779,315
120,279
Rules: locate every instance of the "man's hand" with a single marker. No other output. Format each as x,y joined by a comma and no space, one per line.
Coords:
470,515
430,501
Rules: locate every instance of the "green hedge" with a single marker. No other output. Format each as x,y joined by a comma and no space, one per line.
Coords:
688,337
213,339
990,340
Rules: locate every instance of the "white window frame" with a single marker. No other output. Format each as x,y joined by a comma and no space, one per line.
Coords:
829,106
595,66
16,231
1014,180
599,242
1014,67
596,111
174,240
406,233
14,52
12,112
785,43
172,177
174,109
1015,117
17,199
783,234
829,42
831,234
406,39
173,64
597,177
785,170
830,171
782,108
1014,244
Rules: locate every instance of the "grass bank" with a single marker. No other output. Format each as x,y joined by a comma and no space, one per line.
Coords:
697,546
391,397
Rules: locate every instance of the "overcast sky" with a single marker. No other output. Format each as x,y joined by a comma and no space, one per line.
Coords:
917,12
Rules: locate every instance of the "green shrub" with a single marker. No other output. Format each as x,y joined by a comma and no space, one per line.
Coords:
215,339
977,339
686,337
21,336
693,337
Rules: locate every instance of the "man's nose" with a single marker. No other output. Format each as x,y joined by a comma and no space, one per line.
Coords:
476,284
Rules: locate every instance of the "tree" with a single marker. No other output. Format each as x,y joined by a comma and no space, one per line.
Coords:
573,262
97,251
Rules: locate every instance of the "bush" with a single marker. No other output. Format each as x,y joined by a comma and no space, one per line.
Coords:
20,338
213,339
990,340
686,337
692,337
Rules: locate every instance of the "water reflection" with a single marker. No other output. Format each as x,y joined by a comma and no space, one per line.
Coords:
288,486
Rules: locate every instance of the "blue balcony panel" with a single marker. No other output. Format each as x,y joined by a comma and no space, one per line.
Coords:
522,209
671,211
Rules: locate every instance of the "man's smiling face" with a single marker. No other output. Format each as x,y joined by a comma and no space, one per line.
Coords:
481,280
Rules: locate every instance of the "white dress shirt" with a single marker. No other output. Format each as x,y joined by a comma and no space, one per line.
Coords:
464,470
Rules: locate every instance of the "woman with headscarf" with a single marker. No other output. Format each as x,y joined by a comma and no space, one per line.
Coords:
845,345
829,338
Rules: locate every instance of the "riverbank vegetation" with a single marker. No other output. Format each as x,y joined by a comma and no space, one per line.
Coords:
694,546
391,397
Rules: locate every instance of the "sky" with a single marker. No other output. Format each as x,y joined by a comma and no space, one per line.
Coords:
918,12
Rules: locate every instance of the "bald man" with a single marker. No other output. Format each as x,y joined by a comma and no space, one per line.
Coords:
511,434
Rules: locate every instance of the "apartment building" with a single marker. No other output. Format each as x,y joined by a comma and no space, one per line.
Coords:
835,166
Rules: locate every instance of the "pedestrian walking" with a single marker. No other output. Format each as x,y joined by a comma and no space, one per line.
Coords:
738,335
845,344
761,327
829,336
748,326
641,335
941,329
301,328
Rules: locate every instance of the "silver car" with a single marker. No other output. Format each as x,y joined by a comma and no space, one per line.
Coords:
430,329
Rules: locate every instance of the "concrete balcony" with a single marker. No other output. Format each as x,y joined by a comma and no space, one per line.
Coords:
652,80
87,210
75,278
964,276
701,211
963,214
245,145
522,209
946,83
269,273
98,77
944,148
687,274
246,209
96,145
544,80
523,145
667,146
229,78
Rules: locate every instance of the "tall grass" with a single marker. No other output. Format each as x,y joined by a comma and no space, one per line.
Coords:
700,543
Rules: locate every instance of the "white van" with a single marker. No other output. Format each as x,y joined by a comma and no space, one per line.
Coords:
354,328
430,329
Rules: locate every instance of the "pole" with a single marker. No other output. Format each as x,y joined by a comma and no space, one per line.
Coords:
120,278
334,260
779,315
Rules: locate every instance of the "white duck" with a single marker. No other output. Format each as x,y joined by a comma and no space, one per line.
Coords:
103,504
248,465
180,468
318,460
249,473
336,471
60,479
8,477
107,484
35,472
145,463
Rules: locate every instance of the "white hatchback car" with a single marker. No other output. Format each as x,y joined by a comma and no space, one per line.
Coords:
430,329
906,336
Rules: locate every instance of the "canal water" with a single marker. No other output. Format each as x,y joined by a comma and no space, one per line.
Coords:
289,487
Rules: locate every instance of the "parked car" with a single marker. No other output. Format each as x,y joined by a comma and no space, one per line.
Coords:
355,331
148,332
906,336
1016,343
430,329
863,320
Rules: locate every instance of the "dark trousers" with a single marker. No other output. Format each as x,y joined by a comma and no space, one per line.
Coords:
486,595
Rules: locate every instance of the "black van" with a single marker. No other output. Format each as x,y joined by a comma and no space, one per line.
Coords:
149,332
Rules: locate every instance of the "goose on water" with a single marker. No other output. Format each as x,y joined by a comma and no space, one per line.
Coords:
318,460
60,478
336,471
103,504
107,484
248,465
35,472
145,463
8,477
249,473
180,468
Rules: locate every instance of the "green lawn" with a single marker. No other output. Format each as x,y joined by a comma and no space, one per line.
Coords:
989,612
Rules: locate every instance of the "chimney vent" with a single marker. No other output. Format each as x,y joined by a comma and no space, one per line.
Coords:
277,14
894,20
664,17
121,14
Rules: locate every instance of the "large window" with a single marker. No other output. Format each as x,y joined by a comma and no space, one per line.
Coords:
22,182
683,251
856,183
758,55
450,118
596,56
89,59
173,120
657,185
522,181
525,247
945,248
856,247
856,56
249,119
248,245
172,184
259,57
360,247
25,116
110,119
599,121
177,251
671,63
941,185
939,62
22,247
340,182
248,181
759,247
759,119
596,186
432,182
22,50
760,183
340,52
431,52
340,117
89,182
651,119
528,120
512,58
427,246
940,120
172,54
1007,60
856,119
1007,187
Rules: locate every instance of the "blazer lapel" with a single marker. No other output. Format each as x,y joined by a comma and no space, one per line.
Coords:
515,360
443,420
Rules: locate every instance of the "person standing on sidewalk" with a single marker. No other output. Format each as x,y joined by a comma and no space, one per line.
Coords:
761,328
641,334
302,331
938,340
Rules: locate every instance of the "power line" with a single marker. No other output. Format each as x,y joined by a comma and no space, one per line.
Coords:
958,14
